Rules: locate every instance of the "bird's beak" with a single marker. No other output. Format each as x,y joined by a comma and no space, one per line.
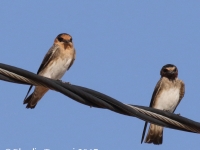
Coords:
66,41
171,72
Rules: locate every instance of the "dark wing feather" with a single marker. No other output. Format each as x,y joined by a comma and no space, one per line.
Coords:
27,93
182,91
48,57
155,93
45,62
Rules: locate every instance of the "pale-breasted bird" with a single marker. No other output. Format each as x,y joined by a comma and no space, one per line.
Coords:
166,96
56,62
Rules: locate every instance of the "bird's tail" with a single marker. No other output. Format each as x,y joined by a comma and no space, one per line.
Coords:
155,134
29,102
33,99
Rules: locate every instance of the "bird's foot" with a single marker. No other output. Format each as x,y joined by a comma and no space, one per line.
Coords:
63,81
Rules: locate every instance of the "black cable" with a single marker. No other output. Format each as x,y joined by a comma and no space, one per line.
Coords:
96,99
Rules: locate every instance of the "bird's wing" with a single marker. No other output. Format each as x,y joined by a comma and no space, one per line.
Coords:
182,92
72,59
48,57
155,93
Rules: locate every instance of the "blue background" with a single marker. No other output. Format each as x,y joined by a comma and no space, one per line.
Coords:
121,47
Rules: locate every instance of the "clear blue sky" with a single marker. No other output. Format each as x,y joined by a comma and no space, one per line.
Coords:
121,47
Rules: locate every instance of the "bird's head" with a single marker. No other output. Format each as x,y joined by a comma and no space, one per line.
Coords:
169,71
64,39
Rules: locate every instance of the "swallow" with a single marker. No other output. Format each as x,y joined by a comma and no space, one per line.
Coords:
56,62
167,95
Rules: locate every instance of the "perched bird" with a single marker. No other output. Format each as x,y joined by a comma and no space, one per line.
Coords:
56,62
166,96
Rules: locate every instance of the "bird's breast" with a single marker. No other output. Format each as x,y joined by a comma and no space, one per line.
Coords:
57,68
168,99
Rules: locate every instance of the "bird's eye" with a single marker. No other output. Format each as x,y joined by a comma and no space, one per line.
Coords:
60,39
165,70
175,70
70,40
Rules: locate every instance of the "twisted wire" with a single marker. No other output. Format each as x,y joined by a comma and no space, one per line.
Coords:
20,78
168,120
146,112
